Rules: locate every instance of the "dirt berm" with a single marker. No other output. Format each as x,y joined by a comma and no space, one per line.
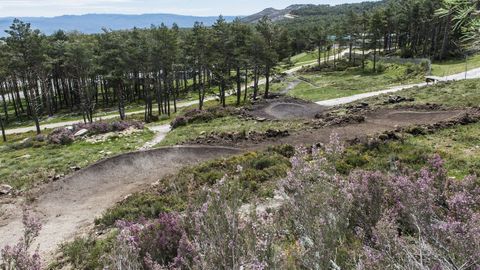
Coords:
67,207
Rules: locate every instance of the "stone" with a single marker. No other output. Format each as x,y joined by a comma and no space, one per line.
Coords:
5,189
80,133
261,119
75,168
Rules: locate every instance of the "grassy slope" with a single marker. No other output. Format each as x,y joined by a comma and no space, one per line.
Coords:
459,146
225,124
452,94
450,67
33,164
329,85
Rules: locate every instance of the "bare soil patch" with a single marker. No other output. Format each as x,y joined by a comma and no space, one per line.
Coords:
284,108
67,207
351,127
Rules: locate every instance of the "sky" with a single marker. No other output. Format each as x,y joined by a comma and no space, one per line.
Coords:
50,8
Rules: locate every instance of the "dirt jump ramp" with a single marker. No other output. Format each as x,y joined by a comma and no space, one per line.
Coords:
290,110
68,206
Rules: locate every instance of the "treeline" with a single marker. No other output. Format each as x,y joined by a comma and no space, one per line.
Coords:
432,29
43,75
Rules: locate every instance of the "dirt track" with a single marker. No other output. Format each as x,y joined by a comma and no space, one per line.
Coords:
68,206
374,122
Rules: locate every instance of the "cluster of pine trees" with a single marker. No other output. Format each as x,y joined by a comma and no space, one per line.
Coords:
43,75
411,28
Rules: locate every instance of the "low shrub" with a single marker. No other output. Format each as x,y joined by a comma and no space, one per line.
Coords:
101,127
88,252
148,244
141,205
201,116
62,136
19,255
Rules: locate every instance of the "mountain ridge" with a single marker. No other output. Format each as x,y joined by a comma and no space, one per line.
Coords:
94,22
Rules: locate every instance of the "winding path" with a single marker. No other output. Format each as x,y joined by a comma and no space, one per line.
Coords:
67,207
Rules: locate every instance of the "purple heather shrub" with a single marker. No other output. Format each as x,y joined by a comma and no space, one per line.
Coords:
151,243
102,127
401,219
18,257
61,136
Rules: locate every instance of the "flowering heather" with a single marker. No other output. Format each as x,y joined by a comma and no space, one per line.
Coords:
402,219
18,257
152,243
65,136
101,127
61,136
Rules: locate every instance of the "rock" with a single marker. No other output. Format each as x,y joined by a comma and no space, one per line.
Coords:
5,189
80,133
398,99
261,119
58,177
75,168
27,156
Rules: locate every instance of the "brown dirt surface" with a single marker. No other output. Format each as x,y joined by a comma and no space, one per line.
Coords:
68,206
284,108
353,127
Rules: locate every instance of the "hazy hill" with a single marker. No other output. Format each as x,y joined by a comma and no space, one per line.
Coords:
93,23
274,14
303,12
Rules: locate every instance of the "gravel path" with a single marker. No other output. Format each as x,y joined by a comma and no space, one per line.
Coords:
160,134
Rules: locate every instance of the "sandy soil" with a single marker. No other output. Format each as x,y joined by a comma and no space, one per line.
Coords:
68,206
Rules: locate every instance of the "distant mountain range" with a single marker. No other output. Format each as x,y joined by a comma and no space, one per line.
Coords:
93,23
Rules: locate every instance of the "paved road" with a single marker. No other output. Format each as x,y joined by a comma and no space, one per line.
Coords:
472,74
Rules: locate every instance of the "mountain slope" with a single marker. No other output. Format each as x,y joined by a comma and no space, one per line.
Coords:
301,12
93,23
274,14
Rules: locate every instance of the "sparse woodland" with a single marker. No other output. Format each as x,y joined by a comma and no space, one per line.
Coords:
71,72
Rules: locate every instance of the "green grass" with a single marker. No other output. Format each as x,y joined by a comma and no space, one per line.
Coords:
224,124
337,84
309,56
260,172
458,94
455,66
23,165
458,146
